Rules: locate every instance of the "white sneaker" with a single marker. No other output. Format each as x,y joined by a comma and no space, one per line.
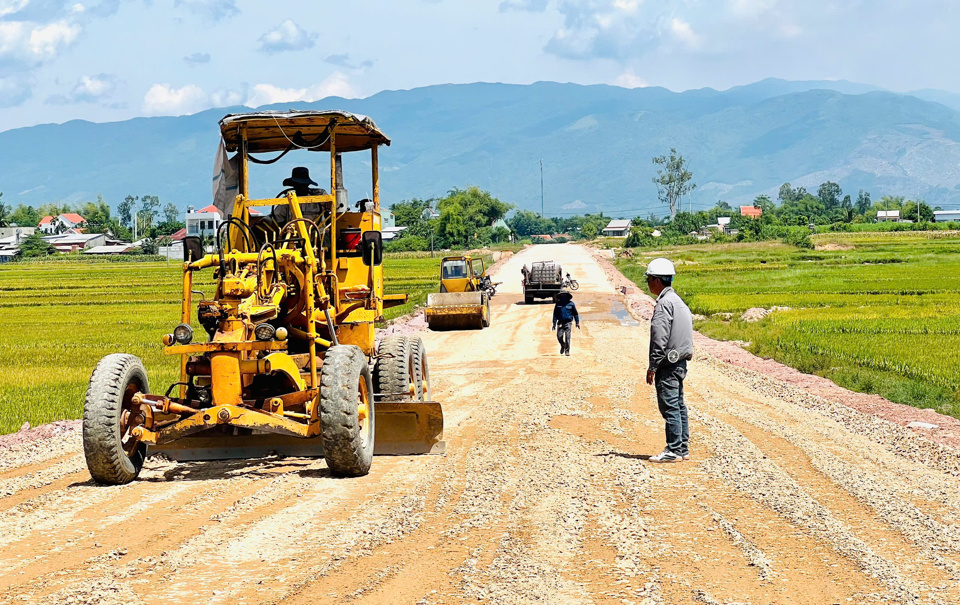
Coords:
666,456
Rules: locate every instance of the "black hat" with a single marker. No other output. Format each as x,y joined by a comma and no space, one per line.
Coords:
299,176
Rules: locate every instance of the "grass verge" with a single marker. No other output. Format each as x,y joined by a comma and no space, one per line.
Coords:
61,317
874,312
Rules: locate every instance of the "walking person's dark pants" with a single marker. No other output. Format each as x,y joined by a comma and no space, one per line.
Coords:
564,332
669,383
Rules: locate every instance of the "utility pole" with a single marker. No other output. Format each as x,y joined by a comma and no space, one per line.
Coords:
541,187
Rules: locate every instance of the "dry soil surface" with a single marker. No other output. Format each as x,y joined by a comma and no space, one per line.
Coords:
544,495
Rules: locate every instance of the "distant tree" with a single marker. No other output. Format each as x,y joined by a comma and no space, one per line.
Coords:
673,180
171,213
909,212
125,210
148,210
150,246
409,213
685,222
829,194
4,213
863,202
526,223
25,216
451,228
97,216
589,231
500,234
764,203
34,246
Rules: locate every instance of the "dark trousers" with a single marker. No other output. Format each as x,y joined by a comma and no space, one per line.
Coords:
669,383
563,335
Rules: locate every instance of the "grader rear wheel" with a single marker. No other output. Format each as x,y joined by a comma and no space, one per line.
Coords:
347,411
114,456
395,375
421,368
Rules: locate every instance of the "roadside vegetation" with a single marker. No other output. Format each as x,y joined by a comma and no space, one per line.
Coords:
874,312
62,315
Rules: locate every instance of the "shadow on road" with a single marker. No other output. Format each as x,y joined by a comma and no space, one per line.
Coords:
627,456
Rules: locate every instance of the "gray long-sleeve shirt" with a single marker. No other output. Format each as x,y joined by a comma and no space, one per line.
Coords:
671,329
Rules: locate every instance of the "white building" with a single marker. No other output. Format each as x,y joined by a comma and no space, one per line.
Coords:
888,216
64,222
617,228
946,216
204,221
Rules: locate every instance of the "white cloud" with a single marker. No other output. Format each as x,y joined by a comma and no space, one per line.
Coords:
227,98
751,9
685,34
627,6
11,7
337,85
211,10
163,100
629,79
25,45
610,29
287,36
88,89
47,41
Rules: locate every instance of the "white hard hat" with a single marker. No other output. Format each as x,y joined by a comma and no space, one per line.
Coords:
661,267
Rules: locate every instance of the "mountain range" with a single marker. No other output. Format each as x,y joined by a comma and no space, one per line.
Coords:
595,142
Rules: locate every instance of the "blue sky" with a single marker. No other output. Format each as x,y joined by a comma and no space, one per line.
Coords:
105,60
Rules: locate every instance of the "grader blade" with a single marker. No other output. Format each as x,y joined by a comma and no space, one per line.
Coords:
456,311
409,427
211,445
402,428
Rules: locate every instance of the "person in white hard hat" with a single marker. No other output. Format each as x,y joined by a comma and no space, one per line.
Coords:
671,346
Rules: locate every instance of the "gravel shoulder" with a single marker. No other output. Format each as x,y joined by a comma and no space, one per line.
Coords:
544,494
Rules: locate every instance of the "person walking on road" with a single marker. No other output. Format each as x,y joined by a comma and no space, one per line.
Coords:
671,346
564,314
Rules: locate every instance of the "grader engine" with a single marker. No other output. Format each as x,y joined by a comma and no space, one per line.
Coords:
281,358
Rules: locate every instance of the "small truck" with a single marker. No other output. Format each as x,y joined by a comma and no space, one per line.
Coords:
542,279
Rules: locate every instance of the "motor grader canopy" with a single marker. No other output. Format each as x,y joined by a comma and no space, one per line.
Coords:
270,131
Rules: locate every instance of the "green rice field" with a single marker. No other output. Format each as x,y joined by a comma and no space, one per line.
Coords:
61,316
875,312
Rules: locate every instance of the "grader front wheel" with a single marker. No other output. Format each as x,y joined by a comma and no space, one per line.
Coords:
114,456
347,411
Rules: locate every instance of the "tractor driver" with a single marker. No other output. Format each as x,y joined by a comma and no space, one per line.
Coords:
303,186
301,182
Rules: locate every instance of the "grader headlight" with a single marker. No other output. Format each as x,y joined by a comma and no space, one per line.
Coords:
183,334
264,331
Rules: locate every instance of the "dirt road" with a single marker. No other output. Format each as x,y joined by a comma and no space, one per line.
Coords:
543,496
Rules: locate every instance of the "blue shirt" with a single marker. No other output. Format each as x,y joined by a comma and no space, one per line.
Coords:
564,313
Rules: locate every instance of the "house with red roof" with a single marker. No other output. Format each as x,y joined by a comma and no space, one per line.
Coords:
65,222
751,211
203,222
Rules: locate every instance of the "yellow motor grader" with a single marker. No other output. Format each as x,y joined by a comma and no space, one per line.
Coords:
464,298
286,361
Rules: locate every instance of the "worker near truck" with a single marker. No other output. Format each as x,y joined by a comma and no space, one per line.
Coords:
564,315
671,346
